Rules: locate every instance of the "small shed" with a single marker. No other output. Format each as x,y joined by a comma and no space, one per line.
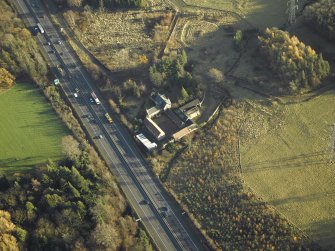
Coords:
150,146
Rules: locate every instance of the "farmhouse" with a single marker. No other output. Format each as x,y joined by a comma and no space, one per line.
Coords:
163,122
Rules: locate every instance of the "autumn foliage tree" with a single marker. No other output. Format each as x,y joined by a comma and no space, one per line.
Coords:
6,79
7,228
19,52
297,64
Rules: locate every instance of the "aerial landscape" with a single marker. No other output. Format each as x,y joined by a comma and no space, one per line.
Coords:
167,125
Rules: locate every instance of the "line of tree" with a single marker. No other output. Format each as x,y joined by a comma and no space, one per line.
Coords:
321,15
19,52
102,4
67,206
297,64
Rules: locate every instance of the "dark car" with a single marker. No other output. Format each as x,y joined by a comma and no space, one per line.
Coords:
164,211
145,202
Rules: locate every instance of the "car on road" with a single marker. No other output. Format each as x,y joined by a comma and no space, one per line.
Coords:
164,211
91,100
145,202
75,95
93,121
48,43
77,90
59,42
84,116
99,136
52,51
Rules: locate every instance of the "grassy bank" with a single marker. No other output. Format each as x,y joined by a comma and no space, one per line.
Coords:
30,131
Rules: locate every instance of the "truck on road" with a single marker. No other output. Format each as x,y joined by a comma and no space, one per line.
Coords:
108,117
95,98
39,26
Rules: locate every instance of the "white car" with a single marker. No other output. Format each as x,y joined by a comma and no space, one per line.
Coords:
75,95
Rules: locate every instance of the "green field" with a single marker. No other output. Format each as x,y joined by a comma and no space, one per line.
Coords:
30,131
292,165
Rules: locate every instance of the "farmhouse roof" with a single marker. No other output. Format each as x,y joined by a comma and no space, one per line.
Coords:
152,111
154,128
194,103
175,119
161,101
183,132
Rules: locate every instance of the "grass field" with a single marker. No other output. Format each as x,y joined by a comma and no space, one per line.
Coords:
261,13
30,131
291,165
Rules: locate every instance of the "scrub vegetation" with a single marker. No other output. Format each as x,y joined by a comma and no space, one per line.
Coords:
72,205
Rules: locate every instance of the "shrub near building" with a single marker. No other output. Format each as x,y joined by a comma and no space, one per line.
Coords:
297,64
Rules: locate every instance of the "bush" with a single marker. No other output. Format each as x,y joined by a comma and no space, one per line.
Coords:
238,39
19,51
322,16
6,79
132,87
215,75
171,72
297,65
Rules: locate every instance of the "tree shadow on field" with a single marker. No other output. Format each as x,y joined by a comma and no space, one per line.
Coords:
304,198
17,162
324,233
